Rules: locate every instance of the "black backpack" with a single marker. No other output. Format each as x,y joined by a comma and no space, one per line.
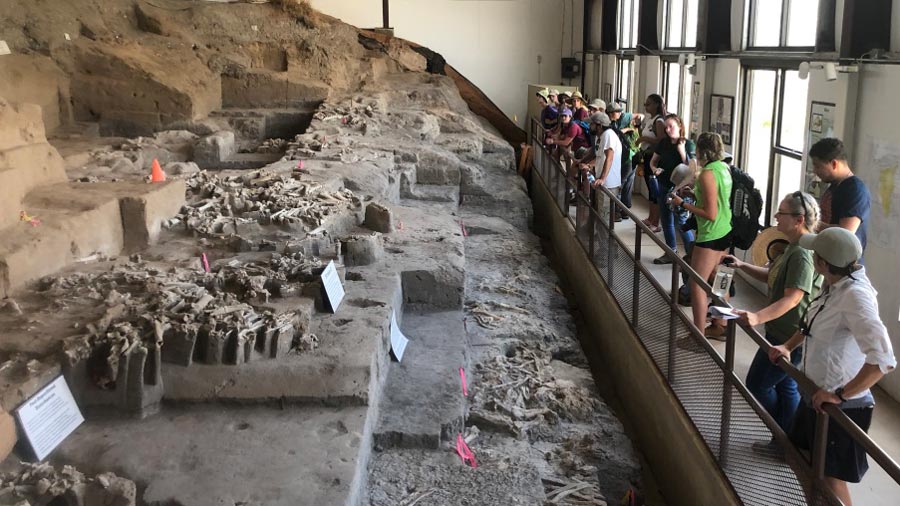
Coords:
746,207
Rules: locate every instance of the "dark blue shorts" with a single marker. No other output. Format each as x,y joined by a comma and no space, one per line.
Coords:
844,458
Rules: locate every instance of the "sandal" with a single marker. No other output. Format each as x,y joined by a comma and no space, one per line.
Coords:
715,332
655,229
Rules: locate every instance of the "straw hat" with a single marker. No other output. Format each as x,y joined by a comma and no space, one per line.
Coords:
769,244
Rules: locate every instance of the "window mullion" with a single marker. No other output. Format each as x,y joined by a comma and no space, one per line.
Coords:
785,13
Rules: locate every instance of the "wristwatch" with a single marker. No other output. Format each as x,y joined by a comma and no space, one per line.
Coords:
840,394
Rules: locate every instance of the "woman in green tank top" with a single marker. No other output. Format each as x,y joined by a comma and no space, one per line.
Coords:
713,211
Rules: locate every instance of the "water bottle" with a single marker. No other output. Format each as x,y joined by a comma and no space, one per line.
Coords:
591,178
722,281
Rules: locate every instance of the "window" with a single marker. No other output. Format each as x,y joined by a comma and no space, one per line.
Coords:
775,118
782,23
628,23
625,81
677,91
681,25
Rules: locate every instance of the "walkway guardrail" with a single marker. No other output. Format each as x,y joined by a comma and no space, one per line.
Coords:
724,412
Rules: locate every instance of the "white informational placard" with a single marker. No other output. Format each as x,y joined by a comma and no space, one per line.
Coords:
4,48
49,417
334,290
723,313
398,340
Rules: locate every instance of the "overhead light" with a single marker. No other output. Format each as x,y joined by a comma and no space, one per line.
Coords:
831,70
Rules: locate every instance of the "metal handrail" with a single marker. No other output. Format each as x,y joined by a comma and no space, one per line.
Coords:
815,472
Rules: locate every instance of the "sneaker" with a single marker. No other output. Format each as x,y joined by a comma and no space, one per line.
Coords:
684,296
662,260
715,332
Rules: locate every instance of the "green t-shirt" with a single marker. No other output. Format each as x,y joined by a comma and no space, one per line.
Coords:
716,229
793,269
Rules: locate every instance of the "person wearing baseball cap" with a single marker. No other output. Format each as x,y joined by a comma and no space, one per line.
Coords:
569,136
622,124
607,160
847,353
597,105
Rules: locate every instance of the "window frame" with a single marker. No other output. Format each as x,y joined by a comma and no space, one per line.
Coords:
684,17
629,99
775,147
634,6
686,80
750,25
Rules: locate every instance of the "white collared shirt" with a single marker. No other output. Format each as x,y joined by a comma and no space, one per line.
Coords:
846,333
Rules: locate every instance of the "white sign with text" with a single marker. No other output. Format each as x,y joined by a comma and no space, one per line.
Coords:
334,290
49,417
398,340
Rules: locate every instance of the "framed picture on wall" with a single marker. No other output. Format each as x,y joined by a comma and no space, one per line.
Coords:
821,125
607,93
721,116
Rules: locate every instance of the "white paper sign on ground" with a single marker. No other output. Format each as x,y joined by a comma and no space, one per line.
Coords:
334,290
49,417
4,48
398,340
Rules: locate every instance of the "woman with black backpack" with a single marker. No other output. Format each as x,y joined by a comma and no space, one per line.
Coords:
712,192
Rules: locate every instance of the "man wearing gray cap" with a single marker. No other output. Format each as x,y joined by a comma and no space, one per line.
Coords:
607,160
597,105
847,353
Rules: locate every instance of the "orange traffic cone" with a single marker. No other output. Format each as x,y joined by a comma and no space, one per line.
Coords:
156,173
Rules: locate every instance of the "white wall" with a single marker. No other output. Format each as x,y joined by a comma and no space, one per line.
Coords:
494,44
876,157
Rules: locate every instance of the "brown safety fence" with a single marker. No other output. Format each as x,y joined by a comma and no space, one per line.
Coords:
723,411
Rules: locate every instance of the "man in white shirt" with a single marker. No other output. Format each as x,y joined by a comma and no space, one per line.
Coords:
847,352
607,152
607,161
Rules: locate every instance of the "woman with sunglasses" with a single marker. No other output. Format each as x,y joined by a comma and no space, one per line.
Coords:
792,282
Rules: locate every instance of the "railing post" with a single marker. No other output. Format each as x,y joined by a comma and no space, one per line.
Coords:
636,289
819,446
673,317
610,243
592,223
725,428
560,200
